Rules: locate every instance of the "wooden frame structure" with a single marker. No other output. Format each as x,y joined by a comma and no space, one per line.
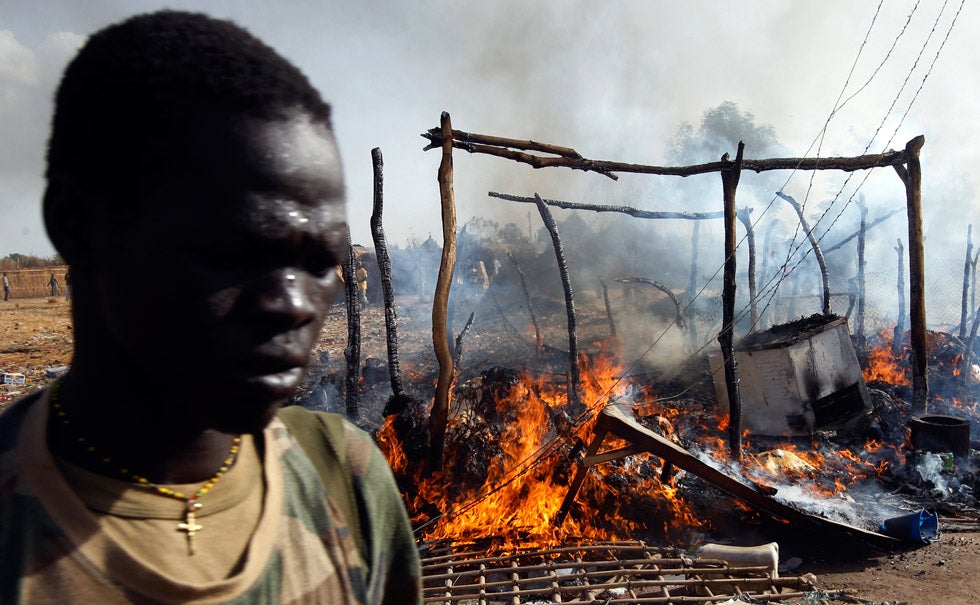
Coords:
544,155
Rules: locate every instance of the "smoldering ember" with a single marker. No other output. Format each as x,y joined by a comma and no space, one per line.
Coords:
687,423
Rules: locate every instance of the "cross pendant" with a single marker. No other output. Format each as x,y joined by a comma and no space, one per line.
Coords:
190,525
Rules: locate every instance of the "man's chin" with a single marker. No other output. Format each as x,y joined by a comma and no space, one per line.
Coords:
246,404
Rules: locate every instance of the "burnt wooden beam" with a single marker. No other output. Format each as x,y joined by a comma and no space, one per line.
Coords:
973,280
384,270
821,261
618,420
968,345
966,281
574,376
352,352
634,212
899,330
692,283
827,250
440,304
729,181
527,299
863,206
459,341
743,216
911,175
435,135
678,313
605,301
508,148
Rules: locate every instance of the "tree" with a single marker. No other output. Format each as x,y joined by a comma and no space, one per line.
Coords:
721,129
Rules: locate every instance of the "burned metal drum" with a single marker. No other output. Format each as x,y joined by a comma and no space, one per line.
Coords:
941,433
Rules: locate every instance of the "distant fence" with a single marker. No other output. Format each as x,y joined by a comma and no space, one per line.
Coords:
36,282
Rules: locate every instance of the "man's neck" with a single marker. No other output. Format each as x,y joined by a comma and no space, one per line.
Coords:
127,423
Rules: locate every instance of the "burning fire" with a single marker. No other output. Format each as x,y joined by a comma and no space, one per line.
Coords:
525,482
512,448
884,365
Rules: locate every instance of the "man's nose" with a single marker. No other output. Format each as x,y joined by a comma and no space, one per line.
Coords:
282,294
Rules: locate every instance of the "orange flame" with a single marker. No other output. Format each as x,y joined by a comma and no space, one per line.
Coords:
527,478
884,366
532,442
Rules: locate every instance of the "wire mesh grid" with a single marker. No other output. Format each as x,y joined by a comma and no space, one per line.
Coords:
604,572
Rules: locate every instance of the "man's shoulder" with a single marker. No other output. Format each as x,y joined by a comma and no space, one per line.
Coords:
12,417
350,443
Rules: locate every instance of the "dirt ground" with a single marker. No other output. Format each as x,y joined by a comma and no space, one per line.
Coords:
35,336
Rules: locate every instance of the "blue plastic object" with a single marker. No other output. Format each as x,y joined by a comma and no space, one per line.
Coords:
921,527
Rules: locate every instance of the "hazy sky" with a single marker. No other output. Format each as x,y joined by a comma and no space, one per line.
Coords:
614,80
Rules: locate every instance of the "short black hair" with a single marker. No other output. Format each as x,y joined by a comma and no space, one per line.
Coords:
135,82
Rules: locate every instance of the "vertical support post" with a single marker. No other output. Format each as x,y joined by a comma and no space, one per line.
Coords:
746,220
966,280
440,303
821,261
352,352
729,182
862,236
384,271
574,376
766,257
692,286
899,331
911,175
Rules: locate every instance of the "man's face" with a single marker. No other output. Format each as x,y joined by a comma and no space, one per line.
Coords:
219,286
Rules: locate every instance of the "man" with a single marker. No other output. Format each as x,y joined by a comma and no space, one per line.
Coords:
187,156
362,282
6,286
53,284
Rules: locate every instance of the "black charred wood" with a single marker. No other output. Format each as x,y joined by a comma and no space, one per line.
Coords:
352,353
384,270
573,369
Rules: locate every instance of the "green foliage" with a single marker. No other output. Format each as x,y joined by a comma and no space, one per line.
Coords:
15,261
721,129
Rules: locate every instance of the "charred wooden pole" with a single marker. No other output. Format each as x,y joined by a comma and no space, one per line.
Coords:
384,269
872,224
746,220
352,353
821,261
629,210
968,349
973,281
459,342
573,369
678,312
900,321
911,175
605,300
766,253
729,182
692,283
527,298
440,303
860,270
565,157
966,280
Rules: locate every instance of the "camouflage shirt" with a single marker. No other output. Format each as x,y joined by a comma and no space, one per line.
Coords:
301,552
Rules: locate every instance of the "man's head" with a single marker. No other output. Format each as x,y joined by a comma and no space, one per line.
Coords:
195,187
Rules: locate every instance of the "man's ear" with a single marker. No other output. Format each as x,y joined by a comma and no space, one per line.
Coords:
68,218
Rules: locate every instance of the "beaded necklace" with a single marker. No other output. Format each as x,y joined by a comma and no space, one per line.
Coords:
189,525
